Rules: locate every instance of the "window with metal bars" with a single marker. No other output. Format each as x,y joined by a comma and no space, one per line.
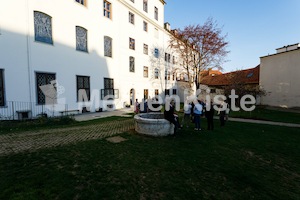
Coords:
43,79
131,64
145,5
107,46
83,84
109,90
42,27
81,39
2,97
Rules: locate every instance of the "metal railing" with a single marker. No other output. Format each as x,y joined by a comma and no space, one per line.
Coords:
15,110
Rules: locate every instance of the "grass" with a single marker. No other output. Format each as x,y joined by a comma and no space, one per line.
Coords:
47,123
262,113
238,161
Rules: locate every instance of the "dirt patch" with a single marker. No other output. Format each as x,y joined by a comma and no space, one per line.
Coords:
116,139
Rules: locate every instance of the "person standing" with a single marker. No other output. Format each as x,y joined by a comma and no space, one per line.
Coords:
197,114
172,117
222,112
187,114
136,106
209,114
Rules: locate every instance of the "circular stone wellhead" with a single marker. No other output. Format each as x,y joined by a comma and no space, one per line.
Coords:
153,124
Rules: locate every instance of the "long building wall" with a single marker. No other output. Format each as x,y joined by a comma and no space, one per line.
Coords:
23,57
279,77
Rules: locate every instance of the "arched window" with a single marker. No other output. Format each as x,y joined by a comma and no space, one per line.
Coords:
145,5
131,64
42,27
81,39
107,46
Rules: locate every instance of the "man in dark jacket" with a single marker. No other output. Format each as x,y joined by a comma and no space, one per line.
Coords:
172,117
209,114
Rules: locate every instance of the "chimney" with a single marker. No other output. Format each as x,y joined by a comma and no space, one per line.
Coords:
174,31
167,26
288,48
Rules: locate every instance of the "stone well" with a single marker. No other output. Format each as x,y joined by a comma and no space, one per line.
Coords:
153,124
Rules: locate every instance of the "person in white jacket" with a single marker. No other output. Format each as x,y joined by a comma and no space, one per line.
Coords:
186,120
197,114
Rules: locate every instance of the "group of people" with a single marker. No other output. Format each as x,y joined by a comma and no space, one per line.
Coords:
193,112
143,106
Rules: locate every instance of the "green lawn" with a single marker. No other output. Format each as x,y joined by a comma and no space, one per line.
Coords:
238,161
263,113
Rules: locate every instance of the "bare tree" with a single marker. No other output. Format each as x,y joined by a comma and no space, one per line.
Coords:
238,81
200,47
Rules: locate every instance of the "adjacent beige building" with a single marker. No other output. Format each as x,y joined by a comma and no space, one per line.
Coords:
280,77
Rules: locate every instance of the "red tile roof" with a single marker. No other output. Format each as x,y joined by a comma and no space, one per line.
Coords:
247,76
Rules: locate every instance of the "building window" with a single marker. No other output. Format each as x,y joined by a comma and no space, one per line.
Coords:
131,18
145,5
2,97
156,33
173,60
167,57
83,85
81,39
145,26
131,64
156,92
107,9
156,53
107,46
145,72
146,49
131,43
42,27
156,13
167,92
83,2
168,75
174,91
43,79
213,91
174,76
146,94
109,90
156,73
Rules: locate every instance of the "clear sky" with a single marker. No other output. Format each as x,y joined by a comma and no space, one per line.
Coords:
254,28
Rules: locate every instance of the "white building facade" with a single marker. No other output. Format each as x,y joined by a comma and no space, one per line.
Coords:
279,77
78,47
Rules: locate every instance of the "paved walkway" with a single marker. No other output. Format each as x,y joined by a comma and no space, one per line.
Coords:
90,116
32,141
264,122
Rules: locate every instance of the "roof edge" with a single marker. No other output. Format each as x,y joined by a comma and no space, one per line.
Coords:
163,2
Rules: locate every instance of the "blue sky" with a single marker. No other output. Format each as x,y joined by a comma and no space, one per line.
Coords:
254,28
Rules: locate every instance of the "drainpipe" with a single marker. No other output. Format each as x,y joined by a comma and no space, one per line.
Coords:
28,54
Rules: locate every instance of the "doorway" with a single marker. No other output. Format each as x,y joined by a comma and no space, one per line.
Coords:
132,97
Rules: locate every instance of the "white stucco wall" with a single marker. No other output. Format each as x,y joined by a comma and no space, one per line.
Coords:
279,76
22,56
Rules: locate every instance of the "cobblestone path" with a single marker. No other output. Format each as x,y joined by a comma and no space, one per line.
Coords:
32,141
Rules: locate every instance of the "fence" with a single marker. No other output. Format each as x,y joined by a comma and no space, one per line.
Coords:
15,110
